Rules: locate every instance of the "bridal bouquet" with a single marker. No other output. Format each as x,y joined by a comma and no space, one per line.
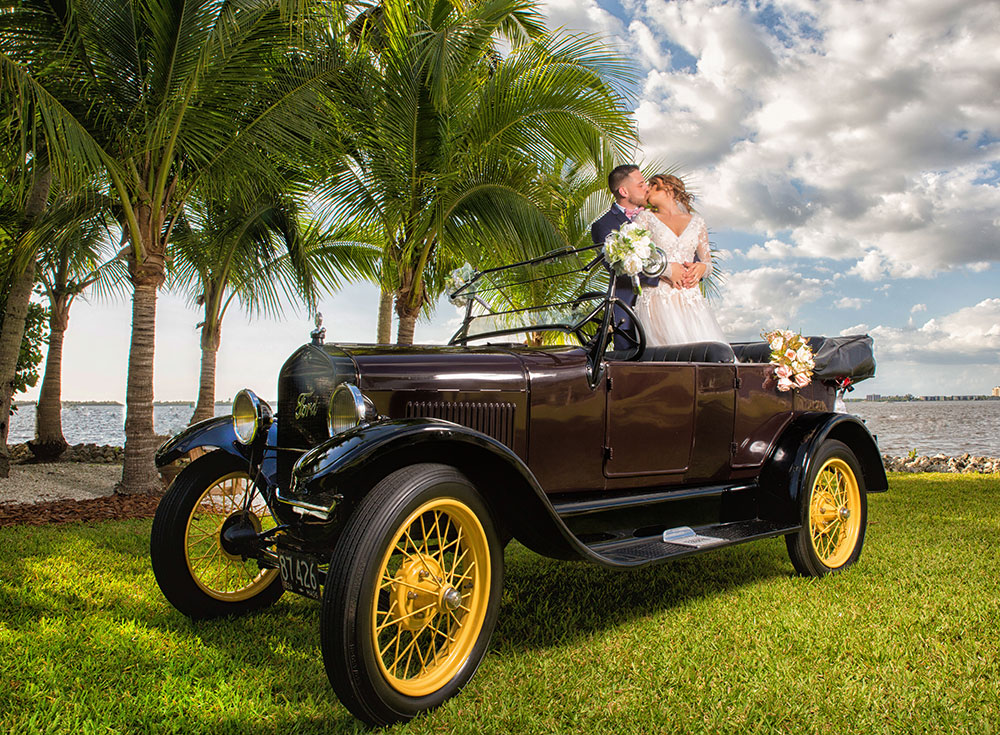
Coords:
792,358
456,279
629,250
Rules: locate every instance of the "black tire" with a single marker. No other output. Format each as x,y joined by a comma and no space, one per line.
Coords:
196,574
380,572
834,513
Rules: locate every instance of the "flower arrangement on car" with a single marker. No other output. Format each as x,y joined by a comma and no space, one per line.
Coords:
792,358
630,250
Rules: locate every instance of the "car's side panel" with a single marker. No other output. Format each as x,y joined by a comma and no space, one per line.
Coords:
650,418
566,435
713,429
762,412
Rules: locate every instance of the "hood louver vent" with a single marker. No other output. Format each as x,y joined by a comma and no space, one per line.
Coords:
493,419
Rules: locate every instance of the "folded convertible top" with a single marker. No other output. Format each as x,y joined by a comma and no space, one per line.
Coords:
836,358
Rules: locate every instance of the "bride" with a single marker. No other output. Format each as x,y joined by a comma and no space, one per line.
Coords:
675,312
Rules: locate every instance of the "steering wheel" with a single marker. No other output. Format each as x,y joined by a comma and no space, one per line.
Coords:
634,335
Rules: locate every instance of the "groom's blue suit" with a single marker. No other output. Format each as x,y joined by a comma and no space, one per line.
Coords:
609,222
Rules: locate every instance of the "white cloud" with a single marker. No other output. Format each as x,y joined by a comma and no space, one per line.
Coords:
850,303
868,131
764,298
771,250
968,336
918,308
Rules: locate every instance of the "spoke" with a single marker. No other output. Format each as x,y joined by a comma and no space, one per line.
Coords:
458,558
408,615
401,583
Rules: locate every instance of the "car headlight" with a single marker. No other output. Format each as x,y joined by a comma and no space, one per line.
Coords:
346,409
250,416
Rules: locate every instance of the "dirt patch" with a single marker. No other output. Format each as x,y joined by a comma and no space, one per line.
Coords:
108,508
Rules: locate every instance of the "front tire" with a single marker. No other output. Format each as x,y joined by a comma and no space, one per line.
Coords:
412,594
192,566
834,509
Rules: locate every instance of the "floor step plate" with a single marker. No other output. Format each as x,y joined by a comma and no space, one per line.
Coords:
683,541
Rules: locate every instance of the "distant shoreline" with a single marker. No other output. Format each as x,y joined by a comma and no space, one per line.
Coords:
920,399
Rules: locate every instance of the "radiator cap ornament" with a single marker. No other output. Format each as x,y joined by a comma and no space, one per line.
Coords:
319,333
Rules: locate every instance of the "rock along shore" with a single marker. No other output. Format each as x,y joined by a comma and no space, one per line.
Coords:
965,463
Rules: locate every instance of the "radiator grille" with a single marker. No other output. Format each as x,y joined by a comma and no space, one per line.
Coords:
493,419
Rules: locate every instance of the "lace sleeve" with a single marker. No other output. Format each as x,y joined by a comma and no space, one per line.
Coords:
703,249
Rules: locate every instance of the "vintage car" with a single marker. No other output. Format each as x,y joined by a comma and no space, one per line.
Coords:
391,478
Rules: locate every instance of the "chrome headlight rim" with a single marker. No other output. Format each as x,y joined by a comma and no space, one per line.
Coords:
250,412
356,403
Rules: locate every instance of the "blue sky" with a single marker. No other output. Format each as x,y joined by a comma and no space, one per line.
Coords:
846,156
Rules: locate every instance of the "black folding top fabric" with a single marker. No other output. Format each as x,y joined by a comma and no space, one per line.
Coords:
843,357
835,357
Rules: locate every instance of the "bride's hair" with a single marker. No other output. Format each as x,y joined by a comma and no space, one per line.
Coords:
673,184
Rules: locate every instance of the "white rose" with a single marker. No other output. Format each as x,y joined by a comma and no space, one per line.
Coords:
632,264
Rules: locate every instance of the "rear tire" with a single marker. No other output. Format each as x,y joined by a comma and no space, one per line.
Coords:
195,572
834,509
412,594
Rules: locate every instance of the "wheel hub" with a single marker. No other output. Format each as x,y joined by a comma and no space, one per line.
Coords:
418,592
234,533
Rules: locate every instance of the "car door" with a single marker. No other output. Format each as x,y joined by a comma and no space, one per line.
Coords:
649,427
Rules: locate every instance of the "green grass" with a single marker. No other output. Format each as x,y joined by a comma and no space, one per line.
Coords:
729,641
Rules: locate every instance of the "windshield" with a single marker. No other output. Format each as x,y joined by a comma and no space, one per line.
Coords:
556,298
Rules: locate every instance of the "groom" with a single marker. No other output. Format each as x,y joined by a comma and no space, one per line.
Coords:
628,187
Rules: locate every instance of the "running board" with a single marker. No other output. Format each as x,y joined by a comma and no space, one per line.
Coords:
684,541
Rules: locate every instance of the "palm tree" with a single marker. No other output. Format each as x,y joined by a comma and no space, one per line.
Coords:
20,210
262,251
449,135
157,96
75,253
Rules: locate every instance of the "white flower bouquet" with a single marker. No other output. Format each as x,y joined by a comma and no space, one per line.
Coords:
629,250
792,358
456,280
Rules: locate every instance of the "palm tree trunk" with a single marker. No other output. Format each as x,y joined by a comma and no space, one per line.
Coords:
15,313
407,324
49,441
210,339
385,317
139,473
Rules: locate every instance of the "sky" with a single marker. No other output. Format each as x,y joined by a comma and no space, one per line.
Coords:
846,156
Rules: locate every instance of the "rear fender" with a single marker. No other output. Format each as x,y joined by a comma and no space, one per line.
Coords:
784,474
330,480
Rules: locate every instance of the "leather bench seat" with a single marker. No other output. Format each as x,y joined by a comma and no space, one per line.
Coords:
689,352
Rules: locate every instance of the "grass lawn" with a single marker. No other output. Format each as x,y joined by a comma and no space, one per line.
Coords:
728,641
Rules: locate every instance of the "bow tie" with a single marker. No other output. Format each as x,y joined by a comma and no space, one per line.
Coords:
631,213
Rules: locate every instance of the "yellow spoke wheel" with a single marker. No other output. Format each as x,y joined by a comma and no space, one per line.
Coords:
220,573
835,513
431,598
412,594
197,570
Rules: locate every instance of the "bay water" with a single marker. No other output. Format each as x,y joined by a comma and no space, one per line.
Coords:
929,427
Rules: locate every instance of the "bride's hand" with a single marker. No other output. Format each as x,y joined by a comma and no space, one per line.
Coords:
693,272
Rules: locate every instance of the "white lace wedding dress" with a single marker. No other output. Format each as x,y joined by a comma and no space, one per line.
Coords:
677,315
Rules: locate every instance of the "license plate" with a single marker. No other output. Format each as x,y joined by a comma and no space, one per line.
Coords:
299,574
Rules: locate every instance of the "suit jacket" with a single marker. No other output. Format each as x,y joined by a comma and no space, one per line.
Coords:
603,226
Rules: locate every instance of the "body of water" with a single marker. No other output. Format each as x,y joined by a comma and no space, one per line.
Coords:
939,427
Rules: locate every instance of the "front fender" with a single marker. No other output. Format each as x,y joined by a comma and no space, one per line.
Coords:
784,474
329,481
